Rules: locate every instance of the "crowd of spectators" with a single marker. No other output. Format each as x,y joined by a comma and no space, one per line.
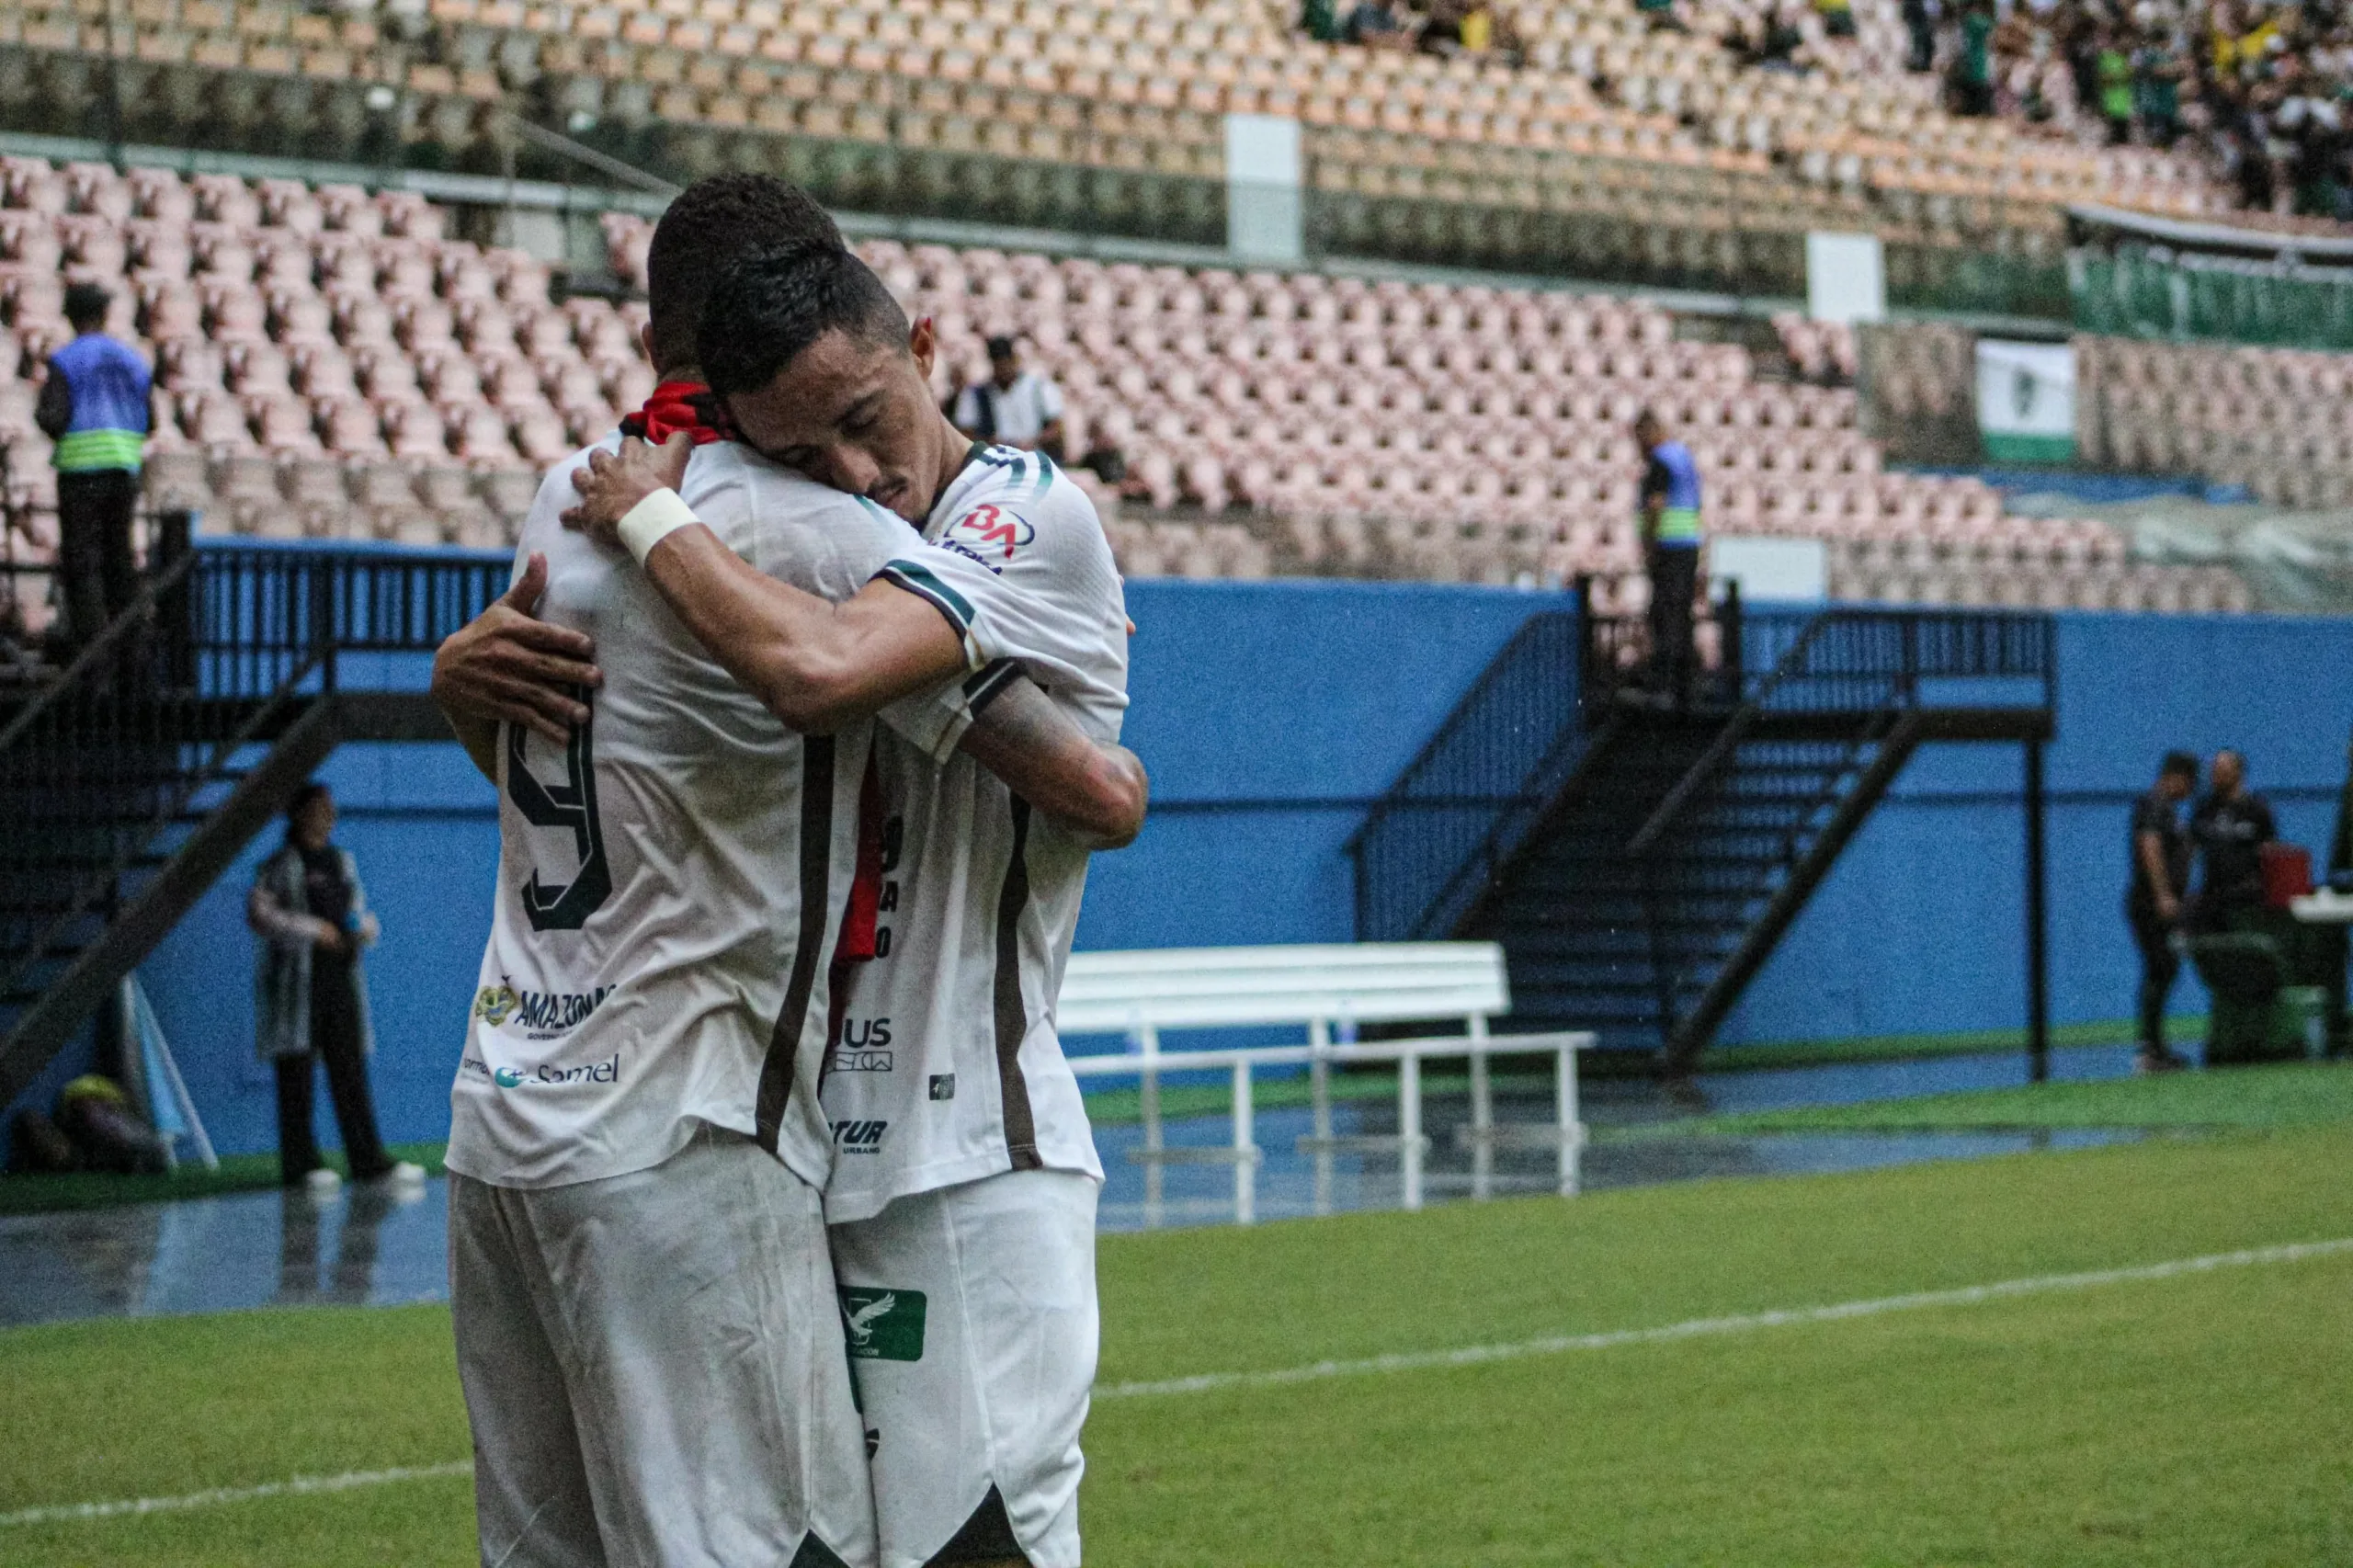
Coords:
2259,87
2259,90
1473,28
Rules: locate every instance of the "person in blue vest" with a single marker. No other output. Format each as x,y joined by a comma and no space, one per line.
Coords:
94,407
1670,508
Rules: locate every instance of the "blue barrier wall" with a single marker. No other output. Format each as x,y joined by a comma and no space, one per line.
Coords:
1271,713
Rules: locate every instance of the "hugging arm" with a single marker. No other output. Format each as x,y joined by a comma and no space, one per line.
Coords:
1097,792
818,665
507,666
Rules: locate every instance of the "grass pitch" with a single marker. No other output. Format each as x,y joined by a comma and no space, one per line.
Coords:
2192,1420
2287,1095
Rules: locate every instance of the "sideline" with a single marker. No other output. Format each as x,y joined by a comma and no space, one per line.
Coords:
1209,1383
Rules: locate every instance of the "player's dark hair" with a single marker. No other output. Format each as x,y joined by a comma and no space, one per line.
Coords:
302,800
712,222
1000,348
770,306
85,305
2179,763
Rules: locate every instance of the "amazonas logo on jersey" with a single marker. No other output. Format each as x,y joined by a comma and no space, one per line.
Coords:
541,1014
989,533
493,1004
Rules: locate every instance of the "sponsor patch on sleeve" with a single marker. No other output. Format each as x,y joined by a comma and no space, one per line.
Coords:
990,533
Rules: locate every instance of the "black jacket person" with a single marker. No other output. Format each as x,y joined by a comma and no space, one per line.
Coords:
2157,897
2230,826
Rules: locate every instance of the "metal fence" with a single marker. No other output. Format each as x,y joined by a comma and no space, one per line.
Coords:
1468,802
222,646
1424,852
1851,661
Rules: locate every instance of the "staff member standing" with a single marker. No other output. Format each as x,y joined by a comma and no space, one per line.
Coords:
1013,407
1670,503
310,995
2231,827
2154,905
94,407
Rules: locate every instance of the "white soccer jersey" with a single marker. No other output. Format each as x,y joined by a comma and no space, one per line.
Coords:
947,1067
669,885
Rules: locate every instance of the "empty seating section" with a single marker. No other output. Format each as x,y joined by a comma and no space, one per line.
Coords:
1457,432
2277,421
330,363
1605,116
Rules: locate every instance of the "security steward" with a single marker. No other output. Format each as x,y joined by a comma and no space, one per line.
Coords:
2156,899
1670,509
94,407
2230,826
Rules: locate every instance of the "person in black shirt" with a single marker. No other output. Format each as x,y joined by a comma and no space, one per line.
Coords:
2231,827
2154,902
310,995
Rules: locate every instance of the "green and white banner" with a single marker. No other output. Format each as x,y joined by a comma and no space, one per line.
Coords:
2026,401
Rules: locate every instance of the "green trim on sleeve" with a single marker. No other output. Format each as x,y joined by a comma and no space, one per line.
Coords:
921,581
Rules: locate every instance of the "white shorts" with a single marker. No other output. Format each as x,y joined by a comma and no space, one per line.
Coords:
971,1324
654,1369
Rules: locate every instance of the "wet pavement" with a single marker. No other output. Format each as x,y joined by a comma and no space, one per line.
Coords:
381,1247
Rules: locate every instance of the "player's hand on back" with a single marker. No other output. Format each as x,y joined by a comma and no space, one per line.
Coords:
508,665
613,482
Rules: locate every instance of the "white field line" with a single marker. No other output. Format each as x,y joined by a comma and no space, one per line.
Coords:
1412,1361
296,1486
1697,1328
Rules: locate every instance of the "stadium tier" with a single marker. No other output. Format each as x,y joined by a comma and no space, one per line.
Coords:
331,365
1606,117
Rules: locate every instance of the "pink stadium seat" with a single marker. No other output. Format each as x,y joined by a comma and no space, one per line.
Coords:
415,430
362,320
212,419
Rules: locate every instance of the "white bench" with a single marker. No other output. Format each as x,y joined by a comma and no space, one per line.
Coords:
1328,990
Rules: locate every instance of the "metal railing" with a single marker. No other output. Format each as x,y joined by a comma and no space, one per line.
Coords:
223,646
253,598
1422,853
1468,801
1565,1133
1848,660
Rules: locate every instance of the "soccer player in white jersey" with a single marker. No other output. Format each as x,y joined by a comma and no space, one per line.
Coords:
964,1184
647,1327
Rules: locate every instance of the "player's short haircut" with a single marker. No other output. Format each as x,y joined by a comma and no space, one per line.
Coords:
302,798
2180,763
85,304
770,306
1000,348
712,222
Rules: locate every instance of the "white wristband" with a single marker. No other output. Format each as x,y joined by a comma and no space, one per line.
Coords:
652,520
